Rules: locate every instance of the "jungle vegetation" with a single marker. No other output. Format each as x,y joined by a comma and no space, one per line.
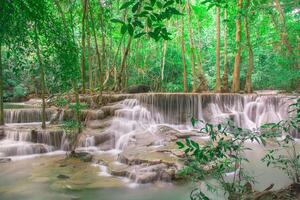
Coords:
50,47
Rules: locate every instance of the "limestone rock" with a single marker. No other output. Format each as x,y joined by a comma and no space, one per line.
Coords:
97,124
62,176
5,160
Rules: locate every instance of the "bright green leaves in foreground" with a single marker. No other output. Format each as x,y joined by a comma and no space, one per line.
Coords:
223,156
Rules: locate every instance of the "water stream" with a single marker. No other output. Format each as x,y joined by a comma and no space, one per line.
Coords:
137,126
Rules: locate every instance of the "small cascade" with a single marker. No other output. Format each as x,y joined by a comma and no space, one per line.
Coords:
132,119
26,141
19,135
26,115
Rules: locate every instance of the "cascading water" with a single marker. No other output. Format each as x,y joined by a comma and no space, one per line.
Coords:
247,111
130,120
26,115
139,125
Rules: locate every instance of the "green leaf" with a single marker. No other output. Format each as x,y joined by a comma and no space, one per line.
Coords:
126,4
193,121
117,21
180,144
135,7
148,8
123,29
152,2
168,3
130,29
159,4
139,35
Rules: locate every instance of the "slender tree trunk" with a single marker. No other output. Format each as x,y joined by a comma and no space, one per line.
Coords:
218,35
103,43
192,48
185,85
123,65
90,61
1,88
97,49
163,62
225,73
202,80
237,61
42,77
83,55
248,85
284,34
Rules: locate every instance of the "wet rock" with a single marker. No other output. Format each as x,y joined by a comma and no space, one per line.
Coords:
118,169
62,176
150,173
83,156
97,124
138,155
102,137
5,160
170,134
107,145
2,134
146,139
146,177
137,89
111,109
94,115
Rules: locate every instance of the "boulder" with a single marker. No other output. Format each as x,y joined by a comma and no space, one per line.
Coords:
103,137
97,124
94,115
110,110
83,156
62,176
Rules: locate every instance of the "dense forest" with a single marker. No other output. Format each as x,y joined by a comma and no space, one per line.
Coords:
49,47
147,99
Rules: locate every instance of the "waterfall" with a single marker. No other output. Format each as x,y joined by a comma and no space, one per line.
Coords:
26,115
26,141
137,116
247,111
143,113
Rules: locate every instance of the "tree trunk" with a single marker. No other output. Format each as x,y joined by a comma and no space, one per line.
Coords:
83,54
1,88
90,68
248,85
163,62
237,61
42,77
97,49
185,86
202,80
192,48
103,44
283,35
123,65
225,73
218,35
